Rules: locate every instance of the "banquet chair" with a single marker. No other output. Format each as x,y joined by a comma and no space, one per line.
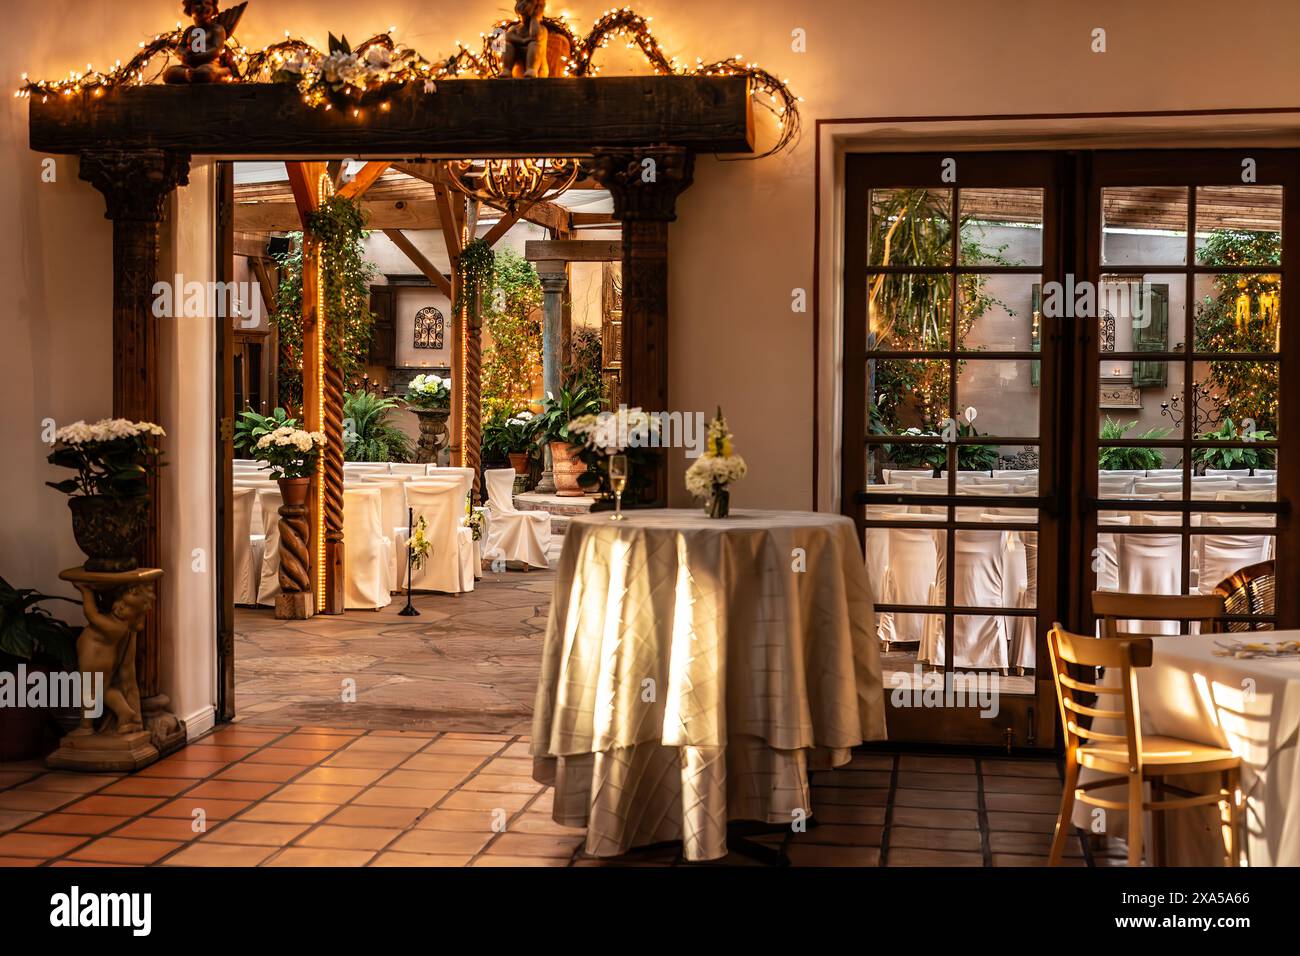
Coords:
241,501
366,468
392,507
1106,556
1133,759
268,574
875,541
905,476
1112,608
1022,592
1249,591
407,468
1257,481
1165,473
449,566
519,536
977,641
367,565
1111,485
1223,551
1150,564
909,579
1234,473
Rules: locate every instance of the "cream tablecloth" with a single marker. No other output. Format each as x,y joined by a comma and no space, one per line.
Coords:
1250,706
694,670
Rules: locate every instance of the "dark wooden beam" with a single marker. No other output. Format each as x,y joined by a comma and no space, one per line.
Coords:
557,116
574,250
418,259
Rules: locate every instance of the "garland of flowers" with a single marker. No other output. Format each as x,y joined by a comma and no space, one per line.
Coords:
367,74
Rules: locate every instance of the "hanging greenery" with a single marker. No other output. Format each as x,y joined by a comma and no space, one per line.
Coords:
511,361
339,228
473,271
1242,316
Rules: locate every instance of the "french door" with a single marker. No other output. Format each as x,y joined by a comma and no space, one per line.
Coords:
1020,327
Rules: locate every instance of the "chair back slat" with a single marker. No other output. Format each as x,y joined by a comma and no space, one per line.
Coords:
1126,655
1114,607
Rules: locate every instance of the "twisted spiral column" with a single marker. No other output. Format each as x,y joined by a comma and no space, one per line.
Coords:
332,475
472,453
295,548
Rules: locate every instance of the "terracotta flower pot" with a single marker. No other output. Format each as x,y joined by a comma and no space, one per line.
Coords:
109,530
519,462
567,468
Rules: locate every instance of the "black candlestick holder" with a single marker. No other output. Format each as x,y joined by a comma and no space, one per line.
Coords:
409,610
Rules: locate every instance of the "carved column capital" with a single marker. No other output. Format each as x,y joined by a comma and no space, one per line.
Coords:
135,183
644,181
554,282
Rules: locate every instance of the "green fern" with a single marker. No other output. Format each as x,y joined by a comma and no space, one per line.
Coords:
369,432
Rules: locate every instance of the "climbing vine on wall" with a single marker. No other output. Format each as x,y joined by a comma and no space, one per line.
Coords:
510,314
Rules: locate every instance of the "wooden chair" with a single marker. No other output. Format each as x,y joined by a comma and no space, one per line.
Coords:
1129,759
1249,591
1115,606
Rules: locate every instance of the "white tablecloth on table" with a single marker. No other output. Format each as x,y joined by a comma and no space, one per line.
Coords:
695,669
1249,706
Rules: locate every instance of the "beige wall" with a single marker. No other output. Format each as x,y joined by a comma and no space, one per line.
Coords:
746,231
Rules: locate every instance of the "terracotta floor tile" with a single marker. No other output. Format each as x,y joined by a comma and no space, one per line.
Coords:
323,731
348,776
304,741
220,854
400,797
544,802
1034,803
1022,822
74,823
316,793
918,780
216,752
232,790
846,813
190,769
468,821
930,839
316,856
943,799
43,845
536,844
518,749
12,778
420,859
908,856
349,838
177,829
255,834
430,779
132,852
463,746
393,817
531,823
461,735
274,811
440,841
496,783
837,834
936,818
516,861
993,784
13,819
147,787
70,782
286,756
406,745
237,737
809,854
35,799
510,766
260,772
478,800
212,808
929,764
115,806
368,759
409,734
444,763
23,861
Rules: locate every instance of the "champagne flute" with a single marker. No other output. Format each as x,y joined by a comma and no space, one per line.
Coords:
618,471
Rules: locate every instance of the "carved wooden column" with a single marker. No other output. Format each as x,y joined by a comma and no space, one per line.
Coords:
554,284
136,186
645,183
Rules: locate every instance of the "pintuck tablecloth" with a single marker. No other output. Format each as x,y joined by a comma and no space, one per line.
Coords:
1251,706
695,669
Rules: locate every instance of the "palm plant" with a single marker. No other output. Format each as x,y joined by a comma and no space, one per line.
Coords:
370,433
1128,458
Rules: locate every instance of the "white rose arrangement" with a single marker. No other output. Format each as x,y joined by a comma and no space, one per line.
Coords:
609,433
290,452
113,457
717,468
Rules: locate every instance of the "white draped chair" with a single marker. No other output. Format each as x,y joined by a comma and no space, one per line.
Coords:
1228,472
392,506
1113,485
407,468
1165,473
1106,558
1223,552
1257,481
368,553
1020,588
449,566
351,468
1151,564
905,476
268,588
519,536
875,541
909,579
978,641
241,509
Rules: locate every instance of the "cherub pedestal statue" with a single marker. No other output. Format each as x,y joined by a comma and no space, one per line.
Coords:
112,735
202,49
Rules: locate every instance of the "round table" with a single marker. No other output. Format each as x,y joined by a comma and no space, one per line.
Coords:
695,670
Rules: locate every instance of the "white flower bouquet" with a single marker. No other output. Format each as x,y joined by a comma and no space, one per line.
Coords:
429,391
609,433
290,452
712,473
113,457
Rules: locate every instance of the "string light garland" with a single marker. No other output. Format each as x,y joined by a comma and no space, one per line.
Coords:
355,79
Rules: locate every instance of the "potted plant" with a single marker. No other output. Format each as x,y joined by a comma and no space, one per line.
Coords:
510,437
31,639
553,431
1127,458
292,455
627,432
429,397
369,433
1225,458
109,497
250,426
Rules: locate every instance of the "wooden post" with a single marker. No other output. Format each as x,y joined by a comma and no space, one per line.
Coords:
135,186
645,183
554,281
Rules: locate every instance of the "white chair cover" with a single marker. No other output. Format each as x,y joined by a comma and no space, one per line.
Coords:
977,582
1112,485
368,552
1253,493
1165,473
366,467
407,468
449,565
1150,564
241,501
909,579
269,500
1228,472
521,536
1106,558
904,476
1257,481
1020,587
1223,553
392,507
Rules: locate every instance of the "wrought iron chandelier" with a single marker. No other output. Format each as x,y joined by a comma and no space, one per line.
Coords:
512,183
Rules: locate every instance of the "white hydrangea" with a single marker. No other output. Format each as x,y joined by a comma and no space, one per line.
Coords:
612,432
106,429
718,466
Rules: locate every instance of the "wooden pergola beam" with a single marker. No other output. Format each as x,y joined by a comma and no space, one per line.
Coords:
574,250
284,216
363,180
418,259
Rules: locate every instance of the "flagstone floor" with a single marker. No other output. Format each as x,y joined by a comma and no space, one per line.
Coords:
428,758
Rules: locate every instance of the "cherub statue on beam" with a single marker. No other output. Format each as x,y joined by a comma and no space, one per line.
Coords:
202,50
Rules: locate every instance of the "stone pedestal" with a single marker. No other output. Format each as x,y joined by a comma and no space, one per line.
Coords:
104,753
434,436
